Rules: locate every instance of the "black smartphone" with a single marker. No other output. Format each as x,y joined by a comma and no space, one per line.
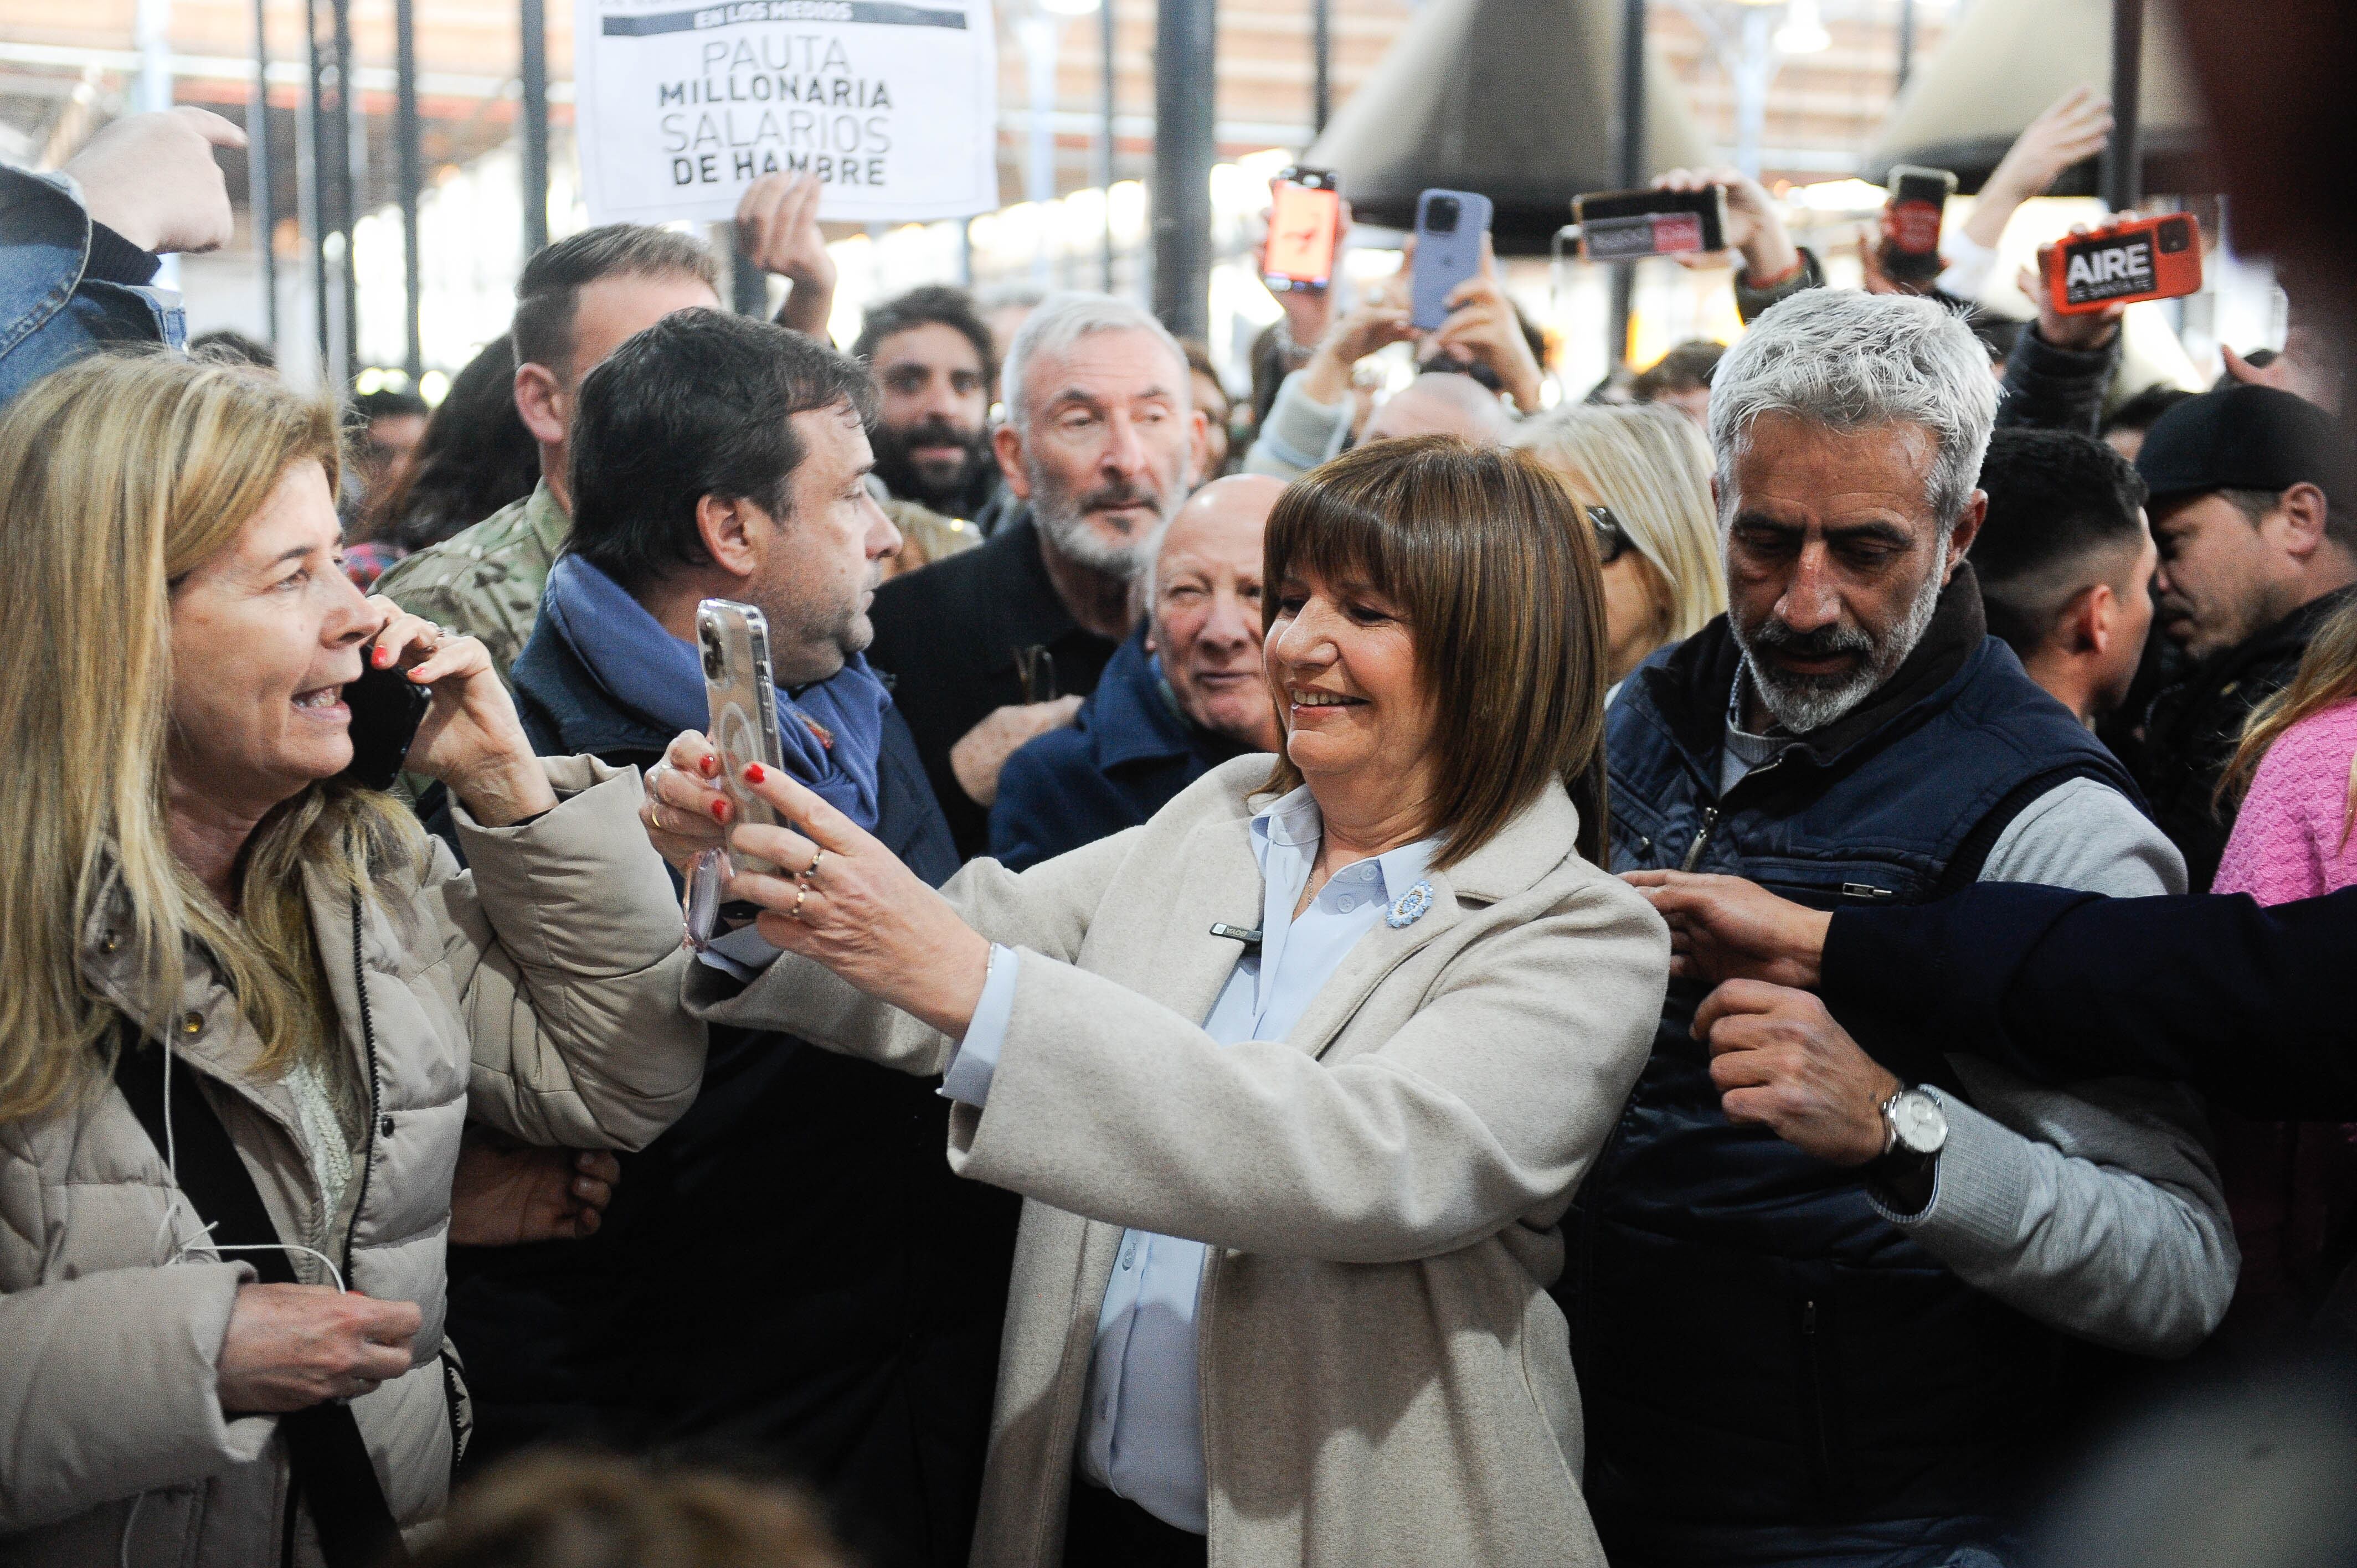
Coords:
387,708
1629,225
1910,221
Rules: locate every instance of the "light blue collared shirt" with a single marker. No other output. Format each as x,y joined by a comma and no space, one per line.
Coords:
1142,1431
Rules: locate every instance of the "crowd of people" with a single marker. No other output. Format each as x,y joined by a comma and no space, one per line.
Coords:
1722,971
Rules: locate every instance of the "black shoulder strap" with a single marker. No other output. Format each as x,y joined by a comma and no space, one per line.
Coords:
324,1449
1963,867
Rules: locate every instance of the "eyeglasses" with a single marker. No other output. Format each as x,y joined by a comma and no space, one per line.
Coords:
1611,538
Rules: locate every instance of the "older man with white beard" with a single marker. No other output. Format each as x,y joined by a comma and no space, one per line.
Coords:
1831,1300
997,645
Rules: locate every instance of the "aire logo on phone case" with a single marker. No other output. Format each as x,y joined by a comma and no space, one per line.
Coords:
2152,258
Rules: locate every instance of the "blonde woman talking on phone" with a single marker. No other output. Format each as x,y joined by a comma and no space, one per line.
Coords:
1298,1077
244,1008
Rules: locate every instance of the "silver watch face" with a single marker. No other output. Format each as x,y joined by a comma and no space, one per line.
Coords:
1921,1127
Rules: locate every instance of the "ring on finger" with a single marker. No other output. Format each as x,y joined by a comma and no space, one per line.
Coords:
810,872
802,894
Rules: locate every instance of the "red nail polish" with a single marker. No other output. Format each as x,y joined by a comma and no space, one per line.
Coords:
754,773
720,810
708,766
382,654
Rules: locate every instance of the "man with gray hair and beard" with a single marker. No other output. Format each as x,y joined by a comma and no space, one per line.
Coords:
995,645
1833,1300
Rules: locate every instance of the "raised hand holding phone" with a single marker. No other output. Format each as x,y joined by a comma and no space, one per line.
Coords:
841,897
741,694
1304,228
1450,229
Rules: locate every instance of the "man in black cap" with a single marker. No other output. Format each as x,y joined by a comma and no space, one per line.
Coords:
2252,511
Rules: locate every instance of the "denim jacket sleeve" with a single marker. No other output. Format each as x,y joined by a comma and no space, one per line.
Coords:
50,312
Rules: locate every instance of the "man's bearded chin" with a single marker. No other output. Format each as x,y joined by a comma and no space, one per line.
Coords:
1064,519
1805,704
907,481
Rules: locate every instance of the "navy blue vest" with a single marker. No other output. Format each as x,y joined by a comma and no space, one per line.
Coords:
1755,1345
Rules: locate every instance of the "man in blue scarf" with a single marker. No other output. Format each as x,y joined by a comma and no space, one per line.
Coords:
791,1270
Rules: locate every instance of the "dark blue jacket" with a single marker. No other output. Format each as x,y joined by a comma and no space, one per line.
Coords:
1128,753
790,1273
69,286
1759,1350
952,636
2250,1005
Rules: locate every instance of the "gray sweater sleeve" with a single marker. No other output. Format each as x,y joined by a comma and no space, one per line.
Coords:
1298,433
2094,1207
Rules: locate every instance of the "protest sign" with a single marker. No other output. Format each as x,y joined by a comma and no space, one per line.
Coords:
894,106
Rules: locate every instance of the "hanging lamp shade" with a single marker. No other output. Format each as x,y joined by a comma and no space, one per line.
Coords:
1514,99
2005,61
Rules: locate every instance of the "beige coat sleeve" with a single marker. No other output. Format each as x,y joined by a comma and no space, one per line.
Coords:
563,942
1490,1101
109,1386
1045,910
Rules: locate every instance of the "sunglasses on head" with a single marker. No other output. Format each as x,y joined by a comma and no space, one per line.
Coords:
1611,538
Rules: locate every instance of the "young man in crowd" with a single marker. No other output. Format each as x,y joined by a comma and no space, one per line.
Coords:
992,646
1681,379
929,356
2065,564
392,424
1185,693
578,300
851,1334
1829,1307
2252,508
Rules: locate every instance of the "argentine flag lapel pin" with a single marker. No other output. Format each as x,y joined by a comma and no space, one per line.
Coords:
1410,906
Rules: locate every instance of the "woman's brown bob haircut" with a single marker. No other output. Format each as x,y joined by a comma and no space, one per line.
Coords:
1495,572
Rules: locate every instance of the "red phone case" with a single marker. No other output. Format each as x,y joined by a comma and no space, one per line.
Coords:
2146,258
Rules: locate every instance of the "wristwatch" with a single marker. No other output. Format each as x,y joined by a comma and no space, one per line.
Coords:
1914,1131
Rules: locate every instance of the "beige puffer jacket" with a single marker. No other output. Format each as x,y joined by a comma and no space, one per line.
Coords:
538,992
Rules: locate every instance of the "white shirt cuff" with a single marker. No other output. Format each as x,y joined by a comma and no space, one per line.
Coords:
968,1079
1970,263
742,953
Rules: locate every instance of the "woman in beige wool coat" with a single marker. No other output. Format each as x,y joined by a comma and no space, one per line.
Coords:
181,866
1300,1077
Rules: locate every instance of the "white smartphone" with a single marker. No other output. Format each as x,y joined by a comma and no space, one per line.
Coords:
733,639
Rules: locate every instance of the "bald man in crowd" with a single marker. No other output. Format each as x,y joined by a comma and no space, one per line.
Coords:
1183,695
1441,402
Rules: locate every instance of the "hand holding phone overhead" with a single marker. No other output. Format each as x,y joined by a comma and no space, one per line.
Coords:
1450,226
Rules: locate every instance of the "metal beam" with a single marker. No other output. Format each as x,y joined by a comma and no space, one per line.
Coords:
353,169
748,286
260,194
238,68
536,126
1321,65
1185,40
311,160
1631,150
1107,131
408,138
2123,155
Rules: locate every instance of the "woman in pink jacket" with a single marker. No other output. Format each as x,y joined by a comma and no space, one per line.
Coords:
2292,1186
